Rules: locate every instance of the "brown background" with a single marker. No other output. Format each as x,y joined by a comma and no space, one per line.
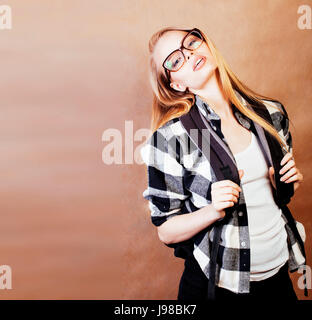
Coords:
73,227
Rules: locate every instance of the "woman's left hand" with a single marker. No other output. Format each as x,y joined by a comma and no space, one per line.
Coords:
289,172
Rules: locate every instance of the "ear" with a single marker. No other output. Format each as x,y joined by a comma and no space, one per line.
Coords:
178,87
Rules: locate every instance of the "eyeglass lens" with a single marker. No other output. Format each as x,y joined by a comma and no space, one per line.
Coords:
176,59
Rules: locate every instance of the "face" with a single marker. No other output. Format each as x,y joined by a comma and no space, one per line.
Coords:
186,77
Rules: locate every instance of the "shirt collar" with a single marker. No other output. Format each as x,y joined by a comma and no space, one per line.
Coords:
211,115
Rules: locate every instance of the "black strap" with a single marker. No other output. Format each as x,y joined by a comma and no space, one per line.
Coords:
221,162
224,168
284,191
292,224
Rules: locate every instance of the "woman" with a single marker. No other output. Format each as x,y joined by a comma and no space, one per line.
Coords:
259,241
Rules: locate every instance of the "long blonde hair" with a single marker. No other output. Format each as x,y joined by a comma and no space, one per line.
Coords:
169,103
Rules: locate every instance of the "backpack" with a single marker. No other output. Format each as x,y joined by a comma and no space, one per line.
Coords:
224,169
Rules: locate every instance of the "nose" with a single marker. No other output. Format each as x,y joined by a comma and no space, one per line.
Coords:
187,53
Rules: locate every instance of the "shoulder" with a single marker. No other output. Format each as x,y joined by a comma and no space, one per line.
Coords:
275,107
169,133
165,142
278,113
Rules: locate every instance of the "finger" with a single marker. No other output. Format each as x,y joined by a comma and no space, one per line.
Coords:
271,172
241,173
227,183
297,177
292,179
286,157
287,166
227,204
271,175
296,186
300,175
227,197
221,197
226,193
230,190
289,173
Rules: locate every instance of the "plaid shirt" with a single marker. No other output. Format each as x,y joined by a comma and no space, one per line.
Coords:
179,182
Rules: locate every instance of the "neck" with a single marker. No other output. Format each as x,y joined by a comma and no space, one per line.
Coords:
212,93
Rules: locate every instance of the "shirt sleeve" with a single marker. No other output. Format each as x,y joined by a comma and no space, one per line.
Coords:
281,122
285,128
165,191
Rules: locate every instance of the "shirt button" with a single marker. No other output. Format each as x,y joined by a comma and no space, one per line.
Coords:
243,243
240,213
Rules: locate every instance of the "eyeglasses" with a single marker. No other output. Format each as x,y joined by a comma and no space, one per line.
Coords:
175,60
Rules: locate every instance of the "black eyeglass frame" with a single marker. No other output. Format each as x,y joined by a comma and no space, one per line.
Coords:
167,71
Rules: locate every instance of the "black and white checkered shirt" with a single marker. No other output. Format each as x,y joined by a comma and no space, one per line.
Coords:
179,182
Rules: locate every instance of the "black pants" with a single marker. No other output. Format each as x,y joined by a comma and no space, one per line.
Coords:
194,284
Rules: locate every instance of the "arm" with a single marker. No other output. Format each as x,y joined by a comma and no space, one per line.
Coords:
289,171
185,226
166,193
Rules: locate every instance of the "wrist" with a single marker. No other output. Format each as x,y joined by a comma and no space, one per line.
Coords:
213,213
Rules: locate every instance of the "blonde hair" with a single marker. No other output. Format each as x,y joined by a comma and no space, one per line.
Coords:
169,103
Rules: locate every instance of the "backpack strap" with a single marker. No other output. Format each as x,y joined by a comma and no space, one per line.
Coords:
221,163
224,169
284,191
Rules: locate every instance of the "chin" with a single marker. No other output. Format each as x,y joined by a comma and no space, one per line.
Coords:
204,74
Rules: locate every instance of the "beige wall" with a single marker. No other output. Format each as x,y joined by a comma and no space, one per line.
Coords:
73,227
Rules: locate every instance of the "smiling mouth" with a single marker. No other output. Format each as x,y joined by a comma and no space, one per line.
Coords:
199,62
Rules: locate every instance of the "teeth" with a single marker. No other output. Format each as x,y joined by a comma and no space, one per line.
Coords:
198,62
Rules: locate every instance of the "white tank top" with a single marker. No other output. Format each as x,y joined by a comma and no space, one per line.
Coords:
268,237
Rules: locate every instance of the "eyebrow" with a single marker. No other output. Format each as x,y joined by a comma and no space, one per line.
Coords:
179,46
